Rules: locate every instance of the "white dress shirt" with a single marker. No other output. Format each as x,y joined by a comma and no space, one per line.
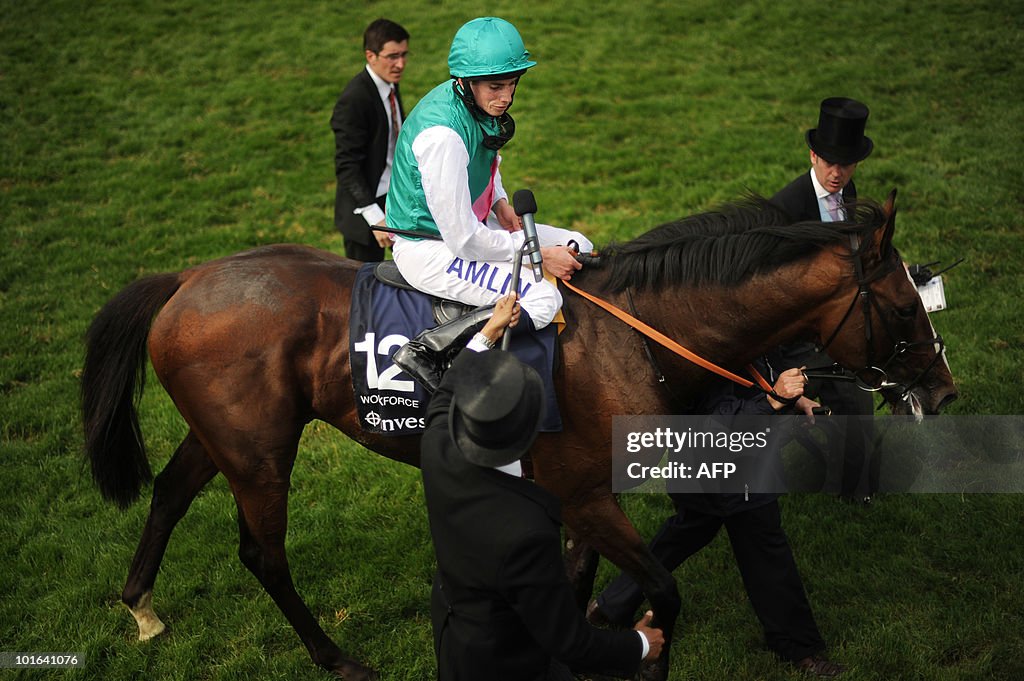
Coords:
372,213
823,195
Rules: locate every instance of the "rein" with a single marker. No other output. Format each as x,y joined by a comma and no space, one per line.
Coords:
675,347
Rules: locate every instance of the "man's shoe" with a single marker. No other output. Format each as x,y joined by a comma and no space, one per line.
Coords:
820,666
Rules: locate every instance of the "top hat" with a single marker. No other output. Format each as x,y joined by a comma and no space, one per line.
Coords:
839,137
496,408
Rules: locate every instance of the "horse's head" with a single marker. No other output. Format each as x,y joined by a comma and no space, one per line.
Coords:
884,334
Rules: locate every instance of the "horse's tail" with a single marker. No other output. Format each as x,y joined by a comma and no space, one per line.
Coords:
113,378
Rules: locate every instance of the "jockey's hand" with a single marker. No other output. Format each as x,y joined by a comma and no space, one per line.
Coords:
507,217
506,314
560,261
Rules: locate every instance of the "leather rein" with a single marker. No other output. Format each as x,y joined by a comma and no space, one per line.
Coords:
665,341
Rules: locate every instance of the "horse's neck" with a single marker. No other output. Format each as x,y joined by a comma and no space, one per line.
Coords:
789,304
735,324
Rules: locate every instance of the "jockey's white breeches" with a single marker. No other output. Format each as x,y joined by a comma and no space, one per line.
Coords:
430,267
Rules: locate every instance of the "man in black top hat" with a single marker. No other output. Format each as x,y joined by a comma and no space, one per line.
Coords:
837,145
502,608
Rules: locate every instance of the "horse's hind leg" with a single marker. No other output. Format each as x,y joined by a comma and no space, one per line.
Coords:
262,523
185,475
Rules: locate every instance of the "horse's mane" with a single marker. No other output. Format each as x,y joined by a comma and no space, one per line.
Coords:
729,245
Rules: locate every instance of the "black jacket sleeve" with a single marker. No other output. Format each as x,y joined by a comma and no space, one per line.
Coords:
354,123
537,588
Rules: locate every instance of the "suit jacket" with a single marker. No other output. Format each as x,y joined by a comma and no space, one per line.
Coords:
502,606
361,131
801,203
723,398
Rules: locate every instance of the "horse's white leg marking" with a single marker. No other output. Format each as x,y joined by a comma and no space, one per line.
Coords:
149,624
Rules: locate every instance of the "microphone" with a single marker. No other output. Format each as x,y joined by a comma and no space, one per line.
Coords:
525,206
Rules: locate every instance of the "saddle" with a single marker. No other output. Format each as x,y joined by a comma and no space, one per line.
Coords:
385,312
443,309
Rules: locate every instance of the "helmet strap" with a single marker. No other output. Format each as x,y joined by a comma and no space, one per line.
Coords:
467,97
506,124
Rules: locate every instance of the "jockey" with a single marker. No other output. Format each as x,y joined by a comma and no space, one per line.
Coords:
445,181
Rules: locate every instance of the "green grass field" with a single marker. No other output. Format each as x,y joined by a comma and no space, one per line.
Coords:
146,137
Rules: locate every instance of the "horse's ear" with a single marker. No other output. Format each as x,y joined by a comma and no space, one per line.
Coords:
885,231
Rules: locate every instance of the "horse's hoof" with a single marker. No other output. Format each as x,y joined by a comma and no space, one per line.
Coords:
150,625
152,632
653,671
353,671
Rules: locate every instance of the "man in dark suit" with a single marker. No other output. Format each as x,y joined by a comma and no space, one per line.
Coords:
502,607
754,524
837,145
366,120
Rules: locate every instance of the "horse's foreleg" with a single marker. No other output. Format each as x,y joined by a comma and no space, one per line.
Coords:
262,523
185,475
601,523
581,562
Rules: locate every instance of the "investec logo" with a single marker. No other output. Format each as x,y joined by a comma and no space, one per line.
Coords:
392,425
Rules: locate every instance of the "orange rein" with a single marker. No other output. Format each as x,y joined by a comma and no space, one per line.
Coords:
675,347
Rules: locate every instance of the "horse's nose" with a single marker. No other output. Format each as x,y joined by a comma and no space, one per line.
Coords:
945,399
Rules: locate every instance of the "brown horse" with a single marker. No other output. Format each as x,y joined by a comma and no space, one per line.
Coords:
254,346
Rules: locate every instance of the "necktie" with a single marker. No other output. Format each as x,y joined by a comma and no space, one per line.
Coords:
834,202
395,124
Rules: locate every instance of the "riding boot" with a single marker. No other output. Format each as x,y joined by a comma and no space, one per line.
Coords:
427,356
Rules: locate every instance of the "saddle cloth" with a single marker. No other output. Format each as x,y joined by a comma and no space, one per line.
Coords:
382,319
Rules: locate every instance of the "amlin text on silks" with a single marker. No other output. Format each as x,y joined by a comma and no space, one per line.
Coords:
486,276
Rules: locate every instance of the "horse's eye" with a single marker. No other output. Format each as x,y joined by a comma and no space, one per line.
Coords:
908,312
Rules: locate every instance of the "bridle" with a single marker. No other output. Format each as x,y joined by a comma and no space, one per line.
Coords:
864,294
872,377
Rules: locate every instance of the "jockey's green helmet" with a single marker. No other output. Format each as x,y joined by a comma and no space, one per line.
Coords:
488,47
